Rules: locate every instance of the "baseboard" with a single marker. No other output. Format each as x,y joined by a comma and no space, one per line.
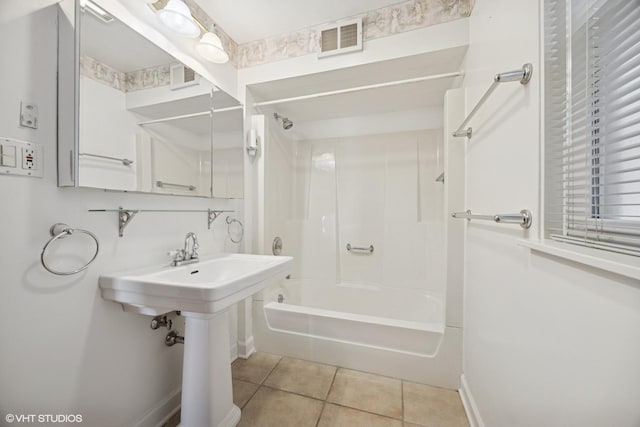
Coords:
164,410
469,403
246,348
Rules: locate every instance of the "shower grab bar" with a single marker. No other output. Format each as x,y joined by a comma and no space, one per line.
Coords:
359,249
125,161
523,76
524,218
169,184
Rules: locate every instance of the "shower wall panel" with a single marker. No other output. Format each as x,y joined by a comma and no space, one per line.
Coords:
375,190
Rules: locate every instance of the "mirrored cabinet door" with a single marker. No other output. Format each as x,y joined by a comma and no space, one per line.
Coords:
228,147
142,121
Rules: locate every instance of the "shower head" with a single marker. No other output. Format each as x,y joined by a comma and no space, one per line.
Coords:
286,123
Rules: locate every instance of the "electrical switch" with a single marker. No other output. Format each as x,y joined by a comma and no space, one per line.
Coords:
21,158
8,156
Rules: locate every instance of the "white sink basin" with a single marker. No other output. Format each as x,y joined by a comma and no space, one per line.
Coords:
208,286
202,292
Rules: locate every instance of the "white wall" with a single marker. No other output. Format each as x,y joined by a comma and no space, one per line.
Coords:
64,349
547,342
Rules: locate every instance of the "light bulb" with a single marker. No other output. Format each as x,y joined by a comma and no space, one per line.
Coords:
210,48
177,16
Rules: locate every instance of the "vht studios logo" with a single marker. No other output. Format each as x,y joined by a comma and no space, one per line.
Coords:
43,418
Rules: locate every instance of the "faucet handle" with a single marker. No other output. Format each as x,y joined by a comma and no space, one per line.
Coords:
178,254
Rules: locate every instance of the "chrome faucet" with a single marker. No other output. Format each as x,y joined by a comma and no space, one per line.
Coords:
189,254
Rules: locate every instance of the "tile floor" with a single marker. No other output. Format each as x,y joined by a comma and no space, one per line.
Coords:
275,391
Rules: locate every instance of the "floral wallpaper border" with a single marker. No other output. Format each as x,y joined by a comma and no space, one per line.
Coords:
383,22
126,82
387,21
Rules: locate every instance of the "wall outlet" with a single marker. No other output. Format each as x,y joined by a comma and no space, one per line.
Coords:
29,159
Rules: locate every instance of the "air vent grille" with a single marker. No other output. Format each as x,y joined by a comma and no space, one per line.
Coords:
189,75
329,39
182,76
341,37
349,35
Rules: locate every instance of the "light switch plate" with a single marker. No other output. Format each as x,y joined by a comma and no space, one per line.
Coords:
8,156
21,158
29,115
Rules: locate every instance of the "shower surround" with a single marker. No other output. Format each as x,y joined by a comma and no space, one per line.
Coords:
380,311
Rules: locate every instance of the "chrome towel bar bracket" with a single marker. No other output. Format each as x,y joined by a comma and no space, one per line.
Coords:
524,218
523,76
359,249
59,231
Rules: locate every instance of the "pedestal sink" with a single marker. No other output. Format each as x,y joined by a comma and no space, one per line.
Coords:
203,292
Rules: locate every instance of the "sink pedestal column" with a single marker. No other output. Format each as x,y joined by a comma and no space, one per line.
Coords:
207,394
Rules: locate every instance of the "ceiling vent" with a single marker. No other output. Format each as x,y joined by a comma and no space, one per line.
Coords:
341,37
182,76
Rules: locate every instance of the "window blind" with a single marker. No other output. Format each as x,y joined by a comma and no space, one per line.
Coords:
592,123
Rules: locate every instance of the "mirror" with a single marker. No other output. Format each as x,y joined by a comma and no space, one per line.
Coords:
143,122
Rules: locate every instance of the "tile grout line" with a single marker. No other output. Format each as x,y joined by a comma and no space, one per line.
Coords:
367,412
401,419
272,369
333,403
259,385
358,409
333,380
291,392
324,405
249,399
324,402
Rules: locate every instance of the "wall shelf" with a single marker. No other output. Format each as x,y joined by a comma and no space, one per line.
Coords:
126,215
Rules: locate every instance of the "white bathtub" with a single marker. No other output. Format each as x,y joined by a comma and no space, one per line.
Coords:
399,333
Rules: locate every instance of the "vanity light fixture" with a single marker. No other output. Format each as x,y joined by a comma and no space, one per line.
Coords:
96,10
177,16
210,47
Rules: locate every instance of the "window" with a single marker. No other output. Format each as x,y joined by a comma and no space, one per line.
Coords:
592,123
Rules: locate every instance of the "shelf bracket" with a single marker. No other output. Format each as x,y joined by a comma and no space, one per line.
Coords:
212,215
124,218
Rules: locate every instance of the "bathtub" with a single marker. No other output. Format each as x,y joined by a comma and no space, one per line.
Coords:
399,332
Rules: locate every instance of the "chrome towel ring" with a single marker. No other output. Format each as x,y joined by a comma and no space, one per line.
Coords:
230,221
59,231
